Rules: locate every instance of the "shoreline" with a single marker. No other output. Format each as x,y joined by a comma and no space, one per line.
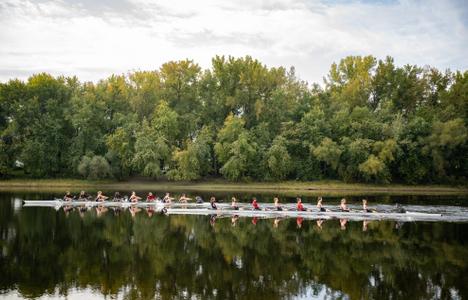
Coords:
287,187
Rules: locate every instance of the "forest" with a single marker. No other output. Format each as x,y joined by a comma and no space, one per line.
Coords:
369,121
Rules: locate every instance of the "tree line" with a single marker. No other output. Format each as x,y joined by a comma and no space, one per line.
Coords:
370,121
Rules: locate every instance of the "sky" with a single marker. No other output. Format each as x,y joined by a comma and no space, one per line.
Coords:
94,39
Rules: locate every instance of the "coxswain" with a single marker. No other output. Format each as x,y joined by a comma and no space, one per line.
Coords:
213,203
234,203
100,197
320,205
150,197
167,198
255,204
117,197
68,196
134,197
184,198
277,204
300,206
343,206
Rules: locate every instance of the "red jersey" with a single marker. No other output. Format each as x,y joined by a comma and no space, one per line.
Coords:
300,207
255,204
151,198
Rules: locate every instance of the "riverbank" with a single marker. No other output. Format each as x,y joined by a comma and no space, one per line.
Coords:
286,188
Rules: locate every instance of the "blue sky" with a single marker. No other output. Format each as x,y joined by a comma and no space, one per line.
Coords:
93,39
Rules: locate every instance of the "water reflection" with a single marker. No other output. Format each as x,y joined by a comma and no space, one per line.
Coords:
141,254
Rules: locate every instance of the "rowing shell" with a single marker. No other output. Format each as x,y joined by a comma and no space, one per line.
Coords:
315,215
224,210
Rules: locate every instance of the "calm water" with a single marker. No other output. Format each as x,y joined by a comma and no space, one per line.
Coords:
47,253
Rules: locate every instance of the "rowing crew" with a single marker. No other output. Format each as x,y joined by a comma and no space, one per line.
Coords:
100,197
300,207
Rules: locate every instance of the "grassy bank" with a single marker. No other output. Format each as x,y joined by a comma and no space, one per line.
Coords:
289,187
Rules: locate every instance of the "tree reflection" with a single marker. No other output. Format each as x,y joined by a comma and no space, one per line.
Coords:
140,255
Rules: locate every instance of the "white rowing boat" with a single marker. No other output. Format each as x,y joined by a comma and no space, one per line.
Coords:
175,208
407,216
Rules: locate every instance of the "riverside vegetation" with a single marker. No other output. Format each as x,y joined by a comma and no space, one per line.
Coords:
371,121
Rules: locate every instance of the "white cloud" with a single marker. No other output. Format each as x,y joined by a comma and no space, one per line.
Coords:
94,39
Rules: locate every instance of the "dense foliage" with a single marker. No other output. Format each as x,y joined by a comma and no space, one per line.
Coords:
371,121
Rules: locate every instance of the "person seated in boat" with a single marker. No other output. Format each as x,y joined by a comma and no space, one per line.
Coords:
117,197
83,196
150,197
184,198
213,203
343,206
198,200
234,203
167,198
320,205
300,206
68,196
255,204
365,208
277,204
134,197
100,197
399,209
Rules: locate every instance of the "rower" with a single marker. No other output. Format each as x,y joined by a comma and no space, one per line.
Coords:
100,197
364,206
150,197
184,198
199,200
234,203
399,209
134,197
68,196
83,196
213,203
300,207
255,204
320,205
277,204
117,197
167,198
343,206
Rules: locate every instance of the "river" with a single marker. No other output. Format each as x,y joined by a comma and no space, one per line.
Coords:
48,253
